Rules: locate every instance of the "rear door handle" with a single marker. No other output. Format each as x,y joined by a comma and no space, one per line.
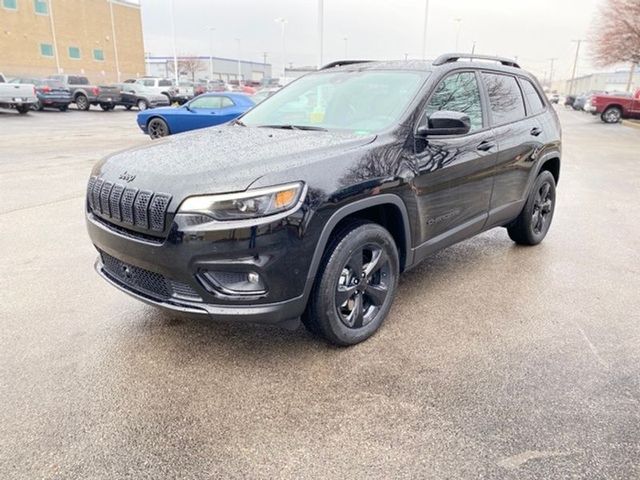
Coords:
485,146
535,131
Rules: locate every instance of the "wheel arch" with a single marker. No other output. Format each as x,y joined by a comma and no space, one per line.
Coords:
387,210
152,117
552,165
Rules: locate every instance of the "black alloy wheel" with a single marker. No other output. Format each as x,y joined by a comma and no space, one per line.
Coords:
158,128
533,223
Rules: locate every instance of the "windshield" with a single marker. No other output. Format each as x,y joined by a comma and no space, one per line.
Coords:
364,102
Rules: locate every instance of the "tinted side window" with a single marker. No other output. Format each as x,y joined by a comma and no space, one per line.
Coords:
458,93
505,98
536,104
227,102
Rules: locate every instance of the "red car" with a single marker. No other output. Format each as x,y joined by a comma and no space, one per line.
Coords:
613,108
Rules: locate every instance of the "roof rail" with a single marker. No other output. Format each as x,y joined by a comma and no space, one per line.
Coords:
454,57
342,63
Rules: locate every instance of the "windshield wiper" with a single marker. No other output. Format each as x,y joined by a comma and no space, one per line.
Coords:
295,127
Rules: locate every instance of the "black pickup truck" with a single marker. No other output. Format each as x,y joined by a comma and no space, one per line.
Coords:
85,94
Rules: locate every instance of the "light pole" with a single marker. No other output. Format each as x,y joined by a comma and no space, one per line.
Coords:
211,30
346,47
173,36
459,22
424,29
283,21
575,65
239,65
115,43
320,31
552,61
473,48
53,36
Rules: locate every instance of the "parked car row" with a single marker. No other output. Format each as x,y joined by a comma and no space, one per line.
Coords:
610,106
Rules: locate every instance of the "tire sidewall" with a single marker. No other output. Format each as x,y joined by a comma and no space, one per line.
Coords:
330,323
605,115
543,177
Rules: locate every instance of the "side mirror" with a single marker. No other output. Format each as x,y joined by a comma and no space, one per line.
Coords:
445,122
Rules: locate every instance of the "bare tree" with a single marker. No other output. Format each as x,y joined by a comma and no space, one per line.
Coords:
190,66
616,34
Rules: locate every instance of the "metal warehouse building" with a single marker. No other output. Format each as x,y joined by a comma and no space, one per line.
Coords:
98,38
205,67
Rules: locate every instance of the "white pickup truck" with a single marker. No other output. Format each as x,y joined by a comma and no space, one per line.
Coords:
17,95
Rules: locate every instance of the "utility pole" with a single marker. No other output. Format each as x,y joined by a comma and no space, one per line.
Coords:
320,32
575,65
552,61
346,48
264,57
115,43
424,29
473,48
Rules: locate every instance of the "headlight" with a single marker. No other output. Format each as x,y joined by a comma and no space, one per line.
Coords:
256,203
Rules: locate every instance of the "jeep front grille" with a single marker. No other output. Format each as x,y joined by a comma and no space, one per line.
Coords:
128,206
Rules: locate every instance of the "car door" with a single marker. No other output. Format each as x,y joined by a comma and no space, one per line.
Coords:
453,180
520,137
203,111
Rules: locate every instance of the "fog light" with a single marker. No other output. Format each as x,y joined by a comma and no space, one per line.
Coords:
232,283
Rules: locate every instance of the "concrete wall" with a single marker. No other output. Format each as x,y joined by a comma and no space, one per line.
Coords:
85,24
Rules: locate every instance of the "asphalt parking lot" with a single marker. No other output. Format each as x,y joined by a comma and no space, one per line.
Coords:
496,361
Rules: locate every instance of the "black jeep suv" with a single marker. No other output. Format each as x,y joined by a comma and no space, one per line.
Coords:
312,203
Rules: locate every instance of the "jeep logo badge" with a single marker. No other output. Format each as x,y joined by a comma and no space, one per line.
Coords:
127,177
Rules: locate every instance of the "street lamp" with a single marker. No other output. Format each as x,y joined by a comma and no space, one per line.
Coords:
173,36
283,21
239,66
320,31
115,43
211,30
424,30
459,22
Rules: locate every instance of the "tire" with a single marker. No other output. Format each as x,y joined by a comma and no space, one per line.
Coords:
157,128
128,107
38,106
63,108
107,106
142,105
82,102
534,221
355,285
611,115
23,109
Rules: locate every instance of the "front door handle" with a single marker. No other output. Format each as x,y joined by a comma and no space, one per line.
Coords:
535,131
485,146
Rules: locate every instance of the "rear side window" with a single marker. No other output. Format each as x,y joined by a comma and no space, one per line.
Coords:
226,102
148,83
505,98
536,104
458,93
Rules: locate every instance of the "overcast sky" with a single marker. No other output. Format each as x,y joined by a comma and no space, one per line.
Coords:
532,30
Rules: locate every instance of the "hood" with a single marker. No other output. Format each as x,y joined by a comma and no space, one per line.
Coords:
221,159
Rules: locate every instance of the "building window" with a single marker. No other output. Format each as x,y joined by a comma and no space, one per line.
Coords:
98,55
46,50
10,4
74,52
41,7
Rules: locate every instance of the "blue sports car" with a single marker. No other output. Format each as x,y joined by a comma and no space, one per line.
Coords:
203,111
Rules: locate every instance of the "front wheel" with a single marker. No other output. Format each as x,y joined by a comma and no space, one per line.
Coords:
355,286
534,221
142,105
157,128
611,115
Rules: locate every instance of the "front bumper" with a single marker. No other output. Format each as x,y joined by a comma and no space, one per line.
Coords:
171,269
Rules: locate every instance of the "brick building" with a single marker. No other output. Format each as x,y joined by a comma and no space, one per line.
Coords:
95,38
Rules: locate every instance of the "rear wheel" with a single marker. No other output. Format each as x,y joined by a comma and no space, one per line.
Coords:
63,108
128,107
611,115
157,128
82,102
534,221
38,106
355,286
22,109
